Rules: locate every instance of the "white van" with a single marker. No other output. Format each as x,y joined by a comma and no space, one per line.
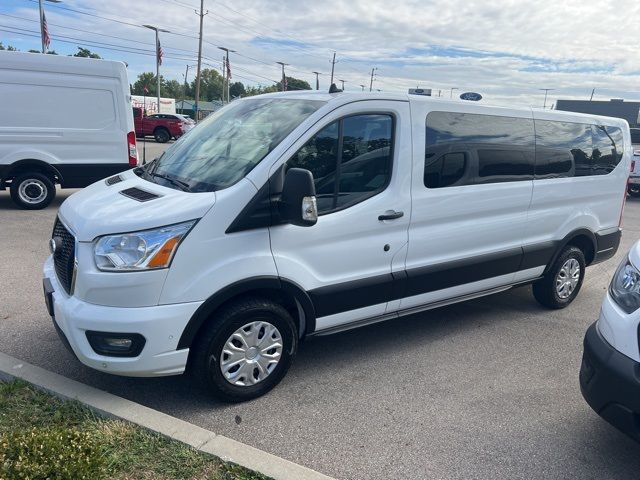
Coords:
610,370
296,214
65,120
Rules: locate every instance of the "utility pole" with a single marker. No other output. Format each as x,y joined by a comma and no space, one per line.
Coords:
226,71
452,89
224,78
201,14
158,60
592,92
342,81
333,64
42,22
372,75
317,81
362,86
546,91
284,79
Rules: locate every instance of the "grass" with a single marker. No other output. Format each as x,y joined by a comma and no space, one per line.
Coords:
43,437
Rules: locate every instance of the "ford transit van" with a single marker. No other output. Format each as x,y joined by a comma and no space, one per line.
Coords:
64,121
288,215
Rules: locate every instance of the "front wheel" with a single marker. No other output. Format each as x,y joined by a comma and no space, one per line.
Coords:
32,191
560,286
246,349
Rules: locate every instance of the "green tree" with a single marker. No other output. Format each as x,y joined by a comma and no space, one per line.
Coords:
8,48
171,88
295,84
210,85
237,89
147,79
86,53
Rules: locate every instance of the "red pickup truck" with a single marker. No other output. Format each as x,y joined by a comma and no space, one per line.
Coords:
162,126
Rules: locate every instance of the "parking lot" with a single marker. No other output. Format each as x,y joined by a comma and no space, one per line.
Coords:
483,389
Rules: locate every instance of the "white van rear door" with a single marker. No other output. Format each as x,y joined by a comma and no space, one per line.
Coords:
345,261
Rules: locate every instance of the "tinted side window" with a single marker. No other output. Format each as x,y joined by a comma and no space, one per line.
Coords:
320,156
563,149
504,165
495,148
445,170
366,156
606,142
359,169
635,136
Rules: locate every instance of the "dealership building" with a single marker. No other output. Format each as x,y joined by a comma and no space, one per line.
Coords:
613,108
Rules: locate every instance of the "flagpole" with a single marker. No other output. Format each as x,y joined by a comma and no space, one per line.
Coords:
158,69
41,24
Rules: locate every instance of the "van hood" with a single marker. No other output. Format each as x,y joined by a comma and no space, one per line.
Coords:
129,205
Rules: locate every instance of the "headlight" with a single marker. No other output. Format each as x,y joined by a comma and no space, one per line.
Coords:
625,287
145,250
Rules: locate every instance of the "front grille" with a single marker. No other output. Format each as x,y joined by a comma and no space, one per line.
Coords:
139,194
65,255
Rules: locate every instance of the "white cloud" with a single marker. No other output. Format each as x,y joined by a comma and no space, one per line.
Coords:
513,47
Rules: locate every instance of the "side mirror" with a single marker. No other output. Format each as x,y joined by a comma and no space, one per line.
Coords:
298,201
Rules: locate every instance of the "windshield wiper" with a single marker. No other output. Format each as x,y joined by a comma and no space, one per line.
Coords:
184,186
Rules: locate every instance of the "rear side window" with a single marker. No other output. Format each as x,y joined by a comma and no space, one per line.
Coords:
350,160
566,149
467,149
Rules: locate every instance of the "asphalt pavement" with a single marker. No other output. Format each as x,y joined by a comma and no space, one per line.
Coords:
483,389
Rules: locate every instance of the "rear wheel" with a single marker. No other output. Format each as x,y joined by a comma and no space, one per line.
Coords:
162,135
32,191
246,349
561,284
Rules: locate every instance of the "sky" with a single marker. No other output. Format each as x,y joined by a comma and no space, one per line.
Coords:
507,50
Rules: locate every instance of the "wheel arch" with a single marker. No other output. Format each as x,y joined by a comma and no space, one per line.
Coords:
582,238
31,165
286,292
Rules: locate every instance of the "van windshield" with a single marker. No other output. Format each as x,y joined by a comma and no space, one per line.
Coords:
229,143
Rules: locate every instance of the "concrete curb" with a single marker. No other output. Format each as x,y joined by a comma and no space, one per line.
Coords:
185,432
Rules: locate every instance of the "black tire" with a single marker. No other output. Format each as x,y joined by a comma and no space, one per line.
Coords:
205,363
545,290
634,190
161,135
32,191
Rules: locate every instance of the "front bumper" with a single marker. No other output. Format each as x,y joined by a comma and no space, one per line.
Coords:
610,383
160,325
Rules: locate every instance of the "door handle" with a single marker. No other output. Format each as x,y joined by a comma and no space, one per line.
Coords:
390,215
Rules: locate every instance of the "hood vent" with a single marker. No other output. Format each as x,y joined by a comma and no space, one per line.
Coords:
113,180
139,194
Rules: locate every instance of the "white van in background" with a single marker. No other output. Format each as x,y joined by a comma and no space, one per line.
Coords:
63,120
294,214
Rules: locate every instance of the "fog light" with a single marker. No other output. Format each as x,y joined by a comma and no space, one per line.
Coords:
116,344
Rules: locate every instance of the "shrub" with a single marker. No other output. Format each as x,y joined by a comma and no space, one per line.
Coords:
48,453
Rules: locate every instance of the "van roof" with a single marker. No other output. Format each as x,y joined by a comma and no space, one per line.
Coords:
348,97
60,64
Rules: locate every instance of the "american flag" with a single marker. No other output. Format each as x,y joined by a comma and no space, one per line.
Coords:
45,32
228,68
159,52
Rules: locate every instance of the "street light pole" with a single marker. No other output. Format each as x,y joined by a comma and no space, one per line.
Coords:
452,89
342,81
362,86
546,91
317,80
372,74
201,14
226,69
156,29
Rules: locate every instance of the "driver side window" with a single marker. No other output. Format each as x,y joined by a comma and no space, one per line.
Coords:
350,160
